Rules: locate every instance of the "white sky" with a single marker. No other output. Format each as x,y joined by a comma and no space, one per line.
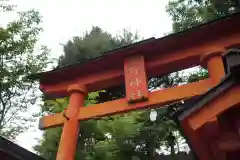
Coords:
64,19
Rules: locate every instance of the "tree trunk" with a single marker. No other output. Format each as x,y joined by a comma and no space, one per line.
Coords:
172,149
151,148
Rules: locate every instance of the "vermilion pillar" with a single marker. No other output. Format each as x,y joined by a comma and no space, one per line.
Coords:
214,63
69,137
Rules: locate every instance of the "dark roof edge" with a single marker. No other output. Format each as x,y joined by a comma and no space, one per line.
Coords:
16,151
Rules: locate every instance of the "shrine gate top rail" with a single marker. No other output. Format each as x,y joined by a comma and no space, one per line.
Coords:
164,55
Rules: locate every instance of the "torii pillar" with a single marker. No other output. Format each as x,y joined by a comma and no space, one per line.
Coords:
70,132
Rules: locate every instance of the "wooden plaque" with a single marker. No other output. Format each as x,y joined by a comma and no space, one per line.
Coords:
135,79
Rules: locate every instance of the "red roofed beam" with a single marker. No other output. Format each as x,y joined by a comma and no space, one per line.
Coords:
159,64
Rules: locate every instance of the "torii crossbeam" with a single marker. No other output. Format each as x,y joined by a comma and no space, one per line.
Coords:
132,65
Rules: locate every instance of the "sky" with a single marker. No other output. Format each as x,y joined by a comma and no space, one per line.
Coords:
64,19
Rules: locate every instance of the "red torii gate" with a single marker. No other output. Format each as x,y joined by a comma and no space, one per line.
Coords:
132,65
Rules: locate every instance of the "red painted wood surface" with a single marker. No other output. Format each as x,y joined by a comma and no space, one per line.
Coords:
217,106
155,99
159,64
135,79
70,132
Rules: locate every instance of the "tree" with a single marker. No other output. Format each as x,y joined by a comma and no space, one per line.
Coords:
93,44
189,13
17,60
4,6
120,131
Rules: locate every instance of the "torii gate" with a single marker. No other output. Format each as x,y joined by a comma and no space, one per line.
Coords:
131,65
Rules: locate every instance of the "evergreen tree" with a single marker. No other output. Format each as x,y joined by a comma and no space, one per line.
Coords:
18,58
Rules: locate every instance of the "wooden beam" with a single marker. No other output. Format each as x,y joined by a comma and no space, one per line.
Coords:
92,81
163,64
155,99
51,121
218,105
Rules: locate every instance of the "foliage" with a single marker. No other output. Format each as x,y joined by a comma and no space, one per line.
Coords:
93,44
189,13
48,146
197,75
18,59
5,6
120,131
